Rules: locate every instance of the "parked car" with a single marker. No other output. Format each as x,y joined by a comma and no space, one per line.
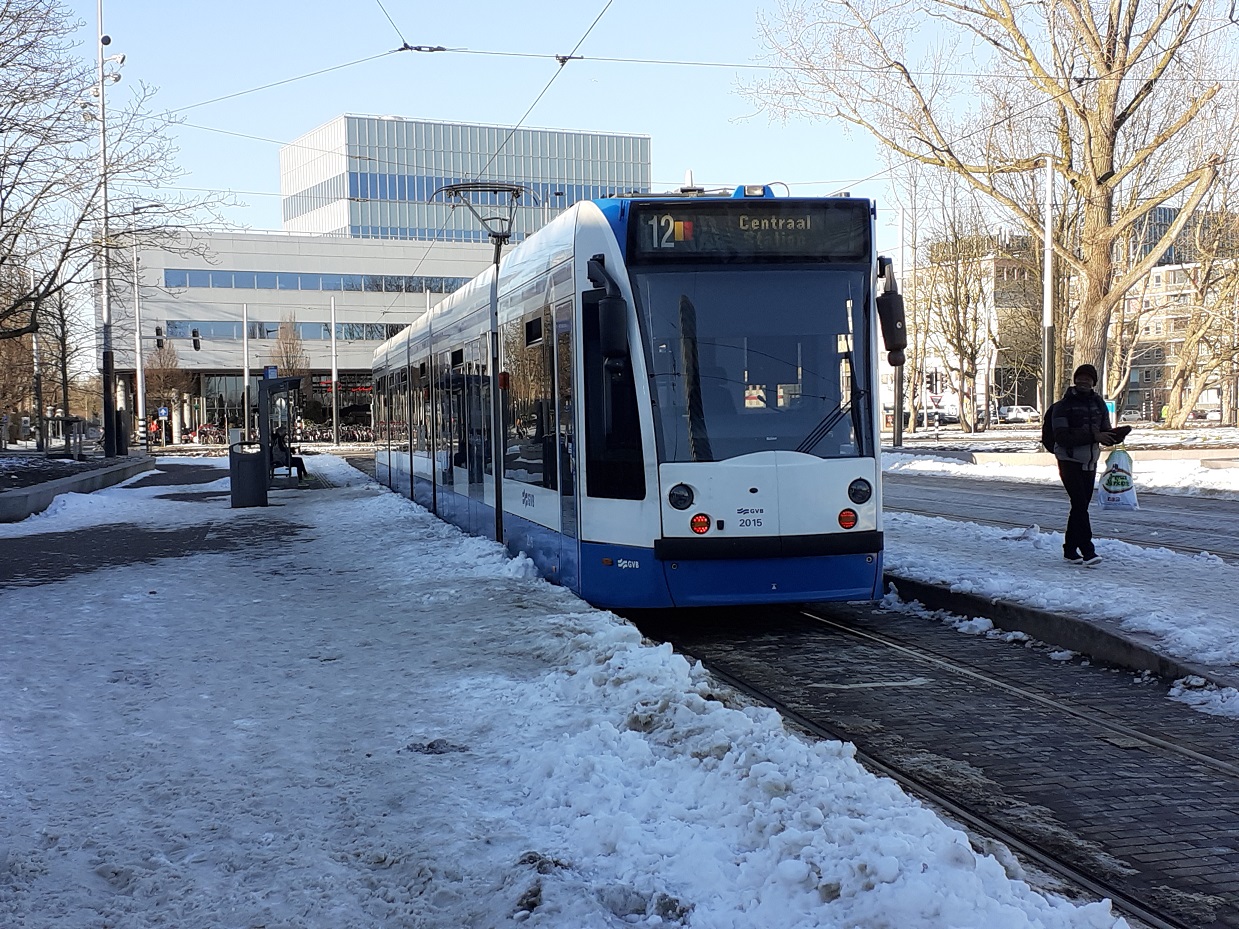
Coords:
1131,416
937,417
1207,415
1018,414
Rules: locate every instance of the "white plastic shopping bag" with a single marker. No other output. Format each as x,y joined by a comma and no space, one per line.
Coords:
1117,490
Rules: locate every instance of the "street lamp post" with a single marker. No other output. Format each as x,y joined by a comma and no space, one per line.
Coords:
110,424
139,380
335,380
1048,360
499,228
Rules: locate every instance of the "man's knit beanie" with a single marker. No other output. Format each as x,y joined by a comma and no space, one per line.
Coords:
1088,371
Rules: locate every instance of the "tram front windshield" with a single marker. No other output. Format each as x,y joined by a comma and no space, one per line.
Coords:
757,358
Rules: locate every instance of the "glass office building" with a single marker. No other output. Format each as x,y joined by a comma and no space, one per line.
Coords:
375,177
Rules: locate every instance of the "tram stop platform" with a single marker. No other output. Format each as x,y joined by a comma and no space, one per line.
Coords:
984,571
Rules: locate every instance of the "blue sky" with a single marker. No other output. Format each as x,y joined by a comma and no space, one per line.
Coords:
195,52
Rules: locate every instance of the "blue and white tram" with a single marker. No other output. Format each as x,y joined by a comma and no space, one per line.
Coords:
688,394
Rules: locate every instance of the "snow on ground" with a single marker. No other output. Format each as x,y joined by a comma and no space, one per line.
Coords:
1183,476
1178,599
386,723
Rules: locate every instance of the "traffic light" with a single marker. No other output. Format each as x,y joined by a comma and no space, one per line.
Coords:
197,340
159,336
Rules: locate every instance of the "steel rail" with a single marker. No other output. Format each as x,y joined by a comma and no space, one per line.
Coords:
975,821
1097,718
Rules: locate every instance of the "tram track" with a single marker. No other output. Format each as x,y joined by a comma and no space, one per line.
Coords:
1090,715
972,820
985,787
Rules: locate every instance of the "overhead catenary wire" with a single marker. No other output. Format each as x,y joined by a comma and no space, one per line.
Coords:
393,22
574,56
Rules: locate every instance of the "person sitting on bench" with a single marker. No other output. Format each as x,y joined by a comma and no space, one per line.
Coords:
282,455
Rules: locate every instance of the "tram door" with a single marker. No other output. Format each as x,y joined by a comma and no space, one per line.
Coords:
565,445
477,395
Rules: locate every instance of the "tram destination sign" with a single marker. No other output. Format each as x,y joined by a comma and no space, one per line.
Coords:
763,230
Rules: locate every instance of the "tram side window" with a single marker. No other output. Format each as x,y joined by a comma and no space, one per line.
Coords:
419,416
614,463
380,407
529,423
400,409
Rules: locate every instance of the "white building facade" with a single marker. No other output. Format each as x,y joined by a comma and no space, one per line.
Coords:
363,230
376,177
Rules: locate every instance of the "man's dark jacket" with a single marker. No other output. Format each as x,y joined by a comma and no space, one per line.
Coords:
1073,427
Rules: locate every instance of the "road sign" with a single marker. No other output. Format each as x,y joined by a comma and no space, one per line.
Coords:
163,412
269,372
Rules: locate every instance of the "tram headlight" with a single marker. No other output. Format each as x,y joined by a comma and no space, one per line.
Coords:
847,518
860,490
700,523
680,496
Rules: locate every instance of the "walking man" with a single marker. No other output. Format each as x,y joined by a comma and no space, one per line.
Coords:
1074,429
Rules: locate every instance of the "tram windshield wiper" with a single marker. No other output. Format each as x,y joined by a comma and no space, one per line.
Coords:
828,422
824,425
698,437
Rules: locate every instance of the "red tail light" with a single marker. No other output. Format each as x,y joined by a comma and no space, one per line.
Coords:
700,524
847,518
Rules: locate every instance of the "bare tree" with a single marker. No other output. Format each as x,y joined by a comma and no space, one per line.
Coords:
1202,326
16,377
51,209
166,380
960,293
60,333
288,353
1127,323
1109,99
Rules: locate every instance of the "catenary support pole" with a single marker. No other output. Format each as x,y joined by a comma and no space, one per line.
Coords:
109,362
139,375
245,370
1049,390
496,398
335,380
40,423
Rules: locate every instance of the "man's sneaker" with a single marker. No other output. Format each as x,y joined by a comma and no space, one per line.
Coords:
1073,559
1091,562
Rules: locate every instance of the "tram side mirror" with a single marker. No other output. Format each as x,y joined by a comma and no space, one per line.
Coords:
613,327
891,315
894,334
612,312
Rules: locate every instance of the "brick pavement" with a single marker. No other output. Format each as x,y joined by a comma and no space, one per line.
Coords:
1163,827
31,560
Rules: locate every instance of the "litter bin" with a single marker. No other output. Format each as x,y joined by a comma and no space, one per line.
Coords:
248,473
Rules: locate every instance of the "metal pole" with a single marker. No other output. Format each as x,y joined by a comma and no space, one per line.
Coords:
39,443
109,362
1049,391
496,402
138,363
335,381
897,373
245,370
